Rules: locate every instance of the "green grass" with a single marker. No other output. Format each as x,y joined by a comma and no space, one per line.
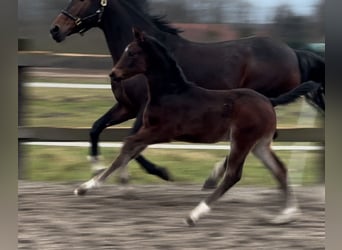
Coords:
66,107
187,166
81,107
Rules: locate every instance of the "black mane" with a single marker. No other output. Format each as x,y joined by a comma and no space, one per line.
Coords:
164,53
164,25
142,6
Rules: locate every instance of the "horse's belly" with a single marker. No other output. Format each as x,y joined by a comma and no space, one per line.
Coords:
209,132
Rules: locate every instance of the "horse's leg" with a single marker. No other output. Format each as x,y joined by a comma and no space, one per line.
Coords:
233,172
263,151
132,147
148,166
117,114
215,176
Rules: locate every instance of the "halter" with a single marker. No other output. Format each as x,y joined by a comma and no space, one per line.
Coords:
79,20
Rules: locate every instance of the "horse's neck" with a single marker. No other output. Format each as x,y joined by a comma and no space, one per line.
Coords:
117,31
163,81
117,36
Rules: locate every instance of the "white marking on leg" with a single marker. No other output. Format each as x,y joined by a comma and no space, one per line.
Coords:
291,212
199,211
96,163
218,169
288,215
123,173
92,183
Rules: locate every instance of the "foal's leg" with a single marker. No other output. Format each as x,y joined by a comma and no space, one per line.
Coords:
131,148
233,172
263,151
117,114
148,166
215,176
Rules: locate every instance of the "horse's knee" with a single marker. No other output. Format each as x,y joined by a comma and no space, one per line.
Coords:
93,133
137,125
96,129
236,177
231,178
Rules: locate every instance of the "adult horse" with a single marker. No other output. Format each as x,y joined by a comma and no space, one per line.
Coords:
260,63
243,116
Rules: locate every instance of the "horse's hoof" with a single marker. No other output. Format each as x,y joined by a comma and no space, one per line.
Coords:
189,222
209,184
123,180
80,191
164,174
288,215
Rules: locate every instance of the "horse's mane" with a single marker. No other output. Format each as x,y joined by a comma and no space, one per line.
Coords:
142,6
164,25
164,53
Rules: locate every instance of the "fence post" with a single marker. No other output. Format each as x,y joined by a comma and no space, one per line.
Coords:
20,167
21,174
24,44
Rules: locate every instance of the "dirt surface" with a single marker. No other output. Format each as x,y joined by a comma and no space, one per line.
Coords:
151,217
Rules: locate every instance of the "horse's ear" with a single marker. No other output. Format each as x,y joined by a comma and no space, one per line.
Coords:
138,35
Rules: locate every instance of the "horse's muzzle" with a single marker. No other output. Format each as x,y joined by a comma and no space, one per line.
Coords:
56,34
116,75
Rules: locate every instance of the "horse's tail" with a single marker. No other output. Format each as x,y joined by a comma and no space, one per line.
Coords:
312,68
295,93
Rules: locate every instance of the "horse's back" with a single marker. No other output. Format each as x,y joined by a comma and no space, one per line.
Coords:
260,63
271,66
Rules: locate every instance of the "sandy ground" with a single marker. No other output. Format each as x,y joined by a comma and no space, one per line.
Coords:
151,217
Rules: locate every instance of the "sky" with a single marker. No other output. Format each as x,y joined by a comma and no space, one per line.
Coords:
262,11
264,7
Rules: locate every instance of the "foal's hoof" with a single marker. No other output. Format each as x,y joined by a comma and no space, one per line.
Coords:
190,222
209,184
288,215
123,180
80,191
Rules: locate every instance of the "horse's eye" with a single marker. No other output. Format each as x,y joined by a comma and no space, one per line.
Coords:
130,53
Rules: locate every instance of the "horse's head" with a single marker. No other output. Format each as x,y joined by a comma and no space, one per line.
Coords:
133,60
77,17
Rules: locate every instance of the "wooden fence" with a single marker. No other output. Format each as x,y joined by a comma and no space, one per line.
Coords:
118,134
59,134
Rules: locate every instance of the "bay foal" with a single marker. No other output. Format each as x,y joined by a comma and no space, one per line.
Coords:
179,110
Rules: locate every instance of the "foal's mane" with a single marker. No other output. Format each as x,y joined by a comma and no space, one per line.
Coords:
142,7
162,52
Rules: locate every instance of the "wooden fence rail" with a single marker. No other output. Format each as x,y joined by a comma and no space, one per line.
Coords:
118,134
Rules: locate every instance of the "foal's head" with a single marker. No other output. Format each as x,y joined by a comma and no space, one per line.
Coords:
133,60
146,55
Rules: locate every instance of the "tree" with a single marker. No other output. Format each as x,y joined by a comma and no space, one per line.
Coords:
291,28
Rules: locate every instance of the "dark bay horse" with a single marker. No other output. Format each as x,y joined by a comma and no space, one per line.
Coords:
178,109
260,63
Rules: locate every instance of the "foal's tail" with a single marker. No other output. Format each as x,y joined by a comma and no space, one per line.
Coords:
312,68
295,93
